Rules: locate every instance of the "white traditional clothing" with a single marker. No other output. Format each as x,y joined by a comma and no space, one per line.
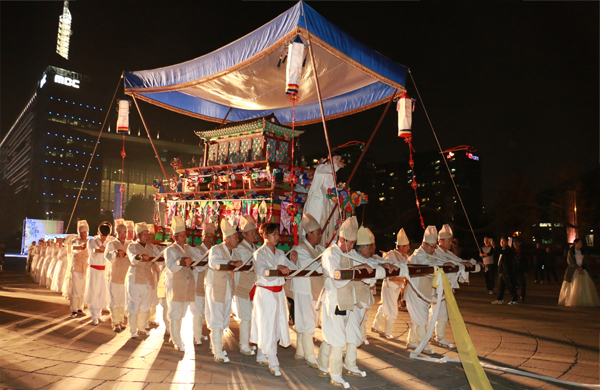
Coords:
182,286
198,307
390,292
219,289
306,292
51,265
269,310
140,285
340,298
96,293
318,205
78,271
117,273
417,307
60,270
243,283
42,267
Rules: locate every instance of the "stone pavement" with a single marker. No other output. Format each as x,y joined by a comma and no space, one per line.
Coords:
42,348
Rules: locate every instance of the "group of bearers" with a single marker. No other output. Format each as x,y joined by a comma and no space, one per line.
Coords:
134,275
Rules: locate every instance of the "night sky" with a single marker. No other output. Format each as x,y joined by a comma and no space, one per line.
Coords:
517,81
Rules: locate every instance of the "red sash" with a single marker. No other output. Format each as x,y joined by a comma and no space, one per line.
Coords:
98,267
275,289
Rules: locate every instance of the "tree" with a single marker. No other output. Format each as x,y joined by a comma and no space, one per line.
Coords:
139,209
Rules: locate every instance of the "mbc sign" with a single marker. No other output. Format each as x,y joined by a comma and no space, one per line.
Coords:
69,82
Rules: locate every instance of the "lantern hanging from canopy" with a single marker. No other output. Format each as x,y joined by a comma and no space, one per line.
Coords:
294,67
123,118
405,109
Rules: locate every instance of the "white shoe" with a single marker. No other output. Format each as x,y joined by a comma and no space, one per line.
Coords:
223,359
365,342
95,322
442,343
262,363
180,348
312,363
428,351
355,372
275,371
341,384
198,342
411,346
247,352
135,335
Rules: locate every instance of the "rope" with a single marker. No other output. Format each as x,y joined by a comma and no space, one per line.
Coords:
445,162
93,153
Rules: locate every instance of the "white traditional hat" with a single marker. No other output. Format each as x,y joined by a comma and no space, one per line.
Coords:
177,225
430,236
402,238
349,229
208,228
371,235
140,227
151,229
119,222
226,228
130,225
82,226
363,237
446,232
309,223
247,223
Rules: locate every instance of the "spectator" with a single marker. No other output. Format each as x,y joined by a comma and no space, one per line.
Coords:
506,273
487,255
539,258
578,289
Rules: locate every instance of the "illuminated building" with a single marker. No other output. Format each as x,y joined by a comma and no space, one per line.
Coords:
64,32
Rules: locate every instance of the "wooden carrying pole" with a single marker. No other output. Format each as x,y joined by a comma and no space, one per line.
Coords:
366,147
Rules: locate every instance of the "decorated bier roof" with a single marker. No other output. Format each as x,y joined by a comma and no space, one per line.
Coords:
265,124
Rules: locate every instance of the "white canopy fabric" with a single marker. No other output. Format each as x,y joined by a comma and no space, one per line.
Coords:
242,80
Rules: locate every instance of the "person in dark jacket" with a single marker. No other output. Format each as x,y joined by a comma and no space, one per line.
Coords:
506,273
550,265
522,267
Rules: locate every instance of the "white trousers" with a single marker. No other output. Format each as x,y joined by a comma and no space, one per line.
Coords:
305,313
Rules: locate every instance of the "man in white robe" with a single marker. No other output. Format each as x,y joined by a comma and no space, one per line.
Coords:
180,278
79,269
130,230
391,288
317,204
270,311
116,255
140,280
96,286
444,256
30,253
60,269
418,308
307,290
338,299
198,307
219,289
244,281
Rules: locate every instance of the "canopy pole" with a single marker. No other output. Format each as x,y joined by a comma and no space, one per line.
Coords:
445,162
150,138
224,119
312,58
93,153
365,150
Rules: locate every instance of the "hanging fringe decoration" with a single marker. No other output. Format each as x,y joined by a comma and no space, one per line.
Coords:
405,109
294,67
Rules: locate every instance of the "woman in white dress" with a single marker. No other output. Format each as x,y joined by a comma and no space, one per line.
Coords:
578,288
317,203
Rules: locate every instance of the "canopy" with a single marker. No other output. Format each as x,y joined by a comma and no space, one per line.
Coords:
242,80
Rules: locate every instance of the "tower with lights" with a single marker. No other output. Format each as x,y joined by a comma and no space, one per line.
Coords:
64,32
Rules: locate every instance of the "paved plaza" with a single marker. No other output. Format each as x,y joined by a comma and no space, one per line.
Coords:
41,347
